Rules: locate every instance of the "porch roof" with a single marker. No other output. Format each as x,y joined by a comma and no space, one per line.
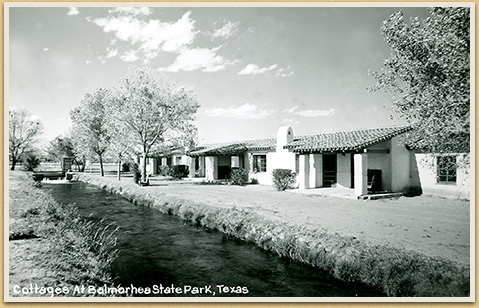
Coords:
235,148
352,140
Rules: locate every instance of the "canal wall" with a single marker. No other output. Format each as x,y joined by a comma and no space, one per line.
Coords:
393,271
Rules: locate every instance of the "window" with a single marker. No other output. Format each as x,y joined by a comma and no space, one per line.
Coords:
446,169
259,163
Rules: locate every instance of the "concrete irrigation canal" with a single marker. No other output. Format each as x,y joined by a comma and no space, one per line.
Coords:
158,251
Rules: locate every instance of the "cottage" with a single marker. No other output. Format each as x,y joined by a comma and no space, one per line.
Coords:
365,161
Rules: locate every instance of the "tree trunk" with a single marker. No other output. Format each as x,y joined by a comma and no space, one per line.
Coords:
14,162
119,169
101,166
143,167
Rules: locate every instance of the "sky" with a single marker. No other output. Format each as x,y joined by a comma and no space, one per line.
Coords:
253,70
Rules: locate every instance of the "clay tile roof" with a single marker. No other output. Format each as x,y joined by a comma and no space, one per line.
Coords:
345,140
234,148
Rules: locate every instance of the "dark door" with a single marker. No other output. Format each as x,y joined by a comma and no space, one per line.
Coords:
329,170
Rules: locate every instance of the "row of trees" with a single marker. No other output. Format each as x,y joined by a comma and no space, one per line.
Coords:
145,114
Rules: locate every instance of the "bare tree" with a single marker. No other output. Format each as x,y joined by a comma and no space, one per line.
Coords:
23,133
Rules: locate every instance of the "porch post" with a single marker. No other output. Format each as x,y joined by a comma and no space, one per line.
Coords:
192,166
303,171
164,161
153,166
316,170
211,167
360,174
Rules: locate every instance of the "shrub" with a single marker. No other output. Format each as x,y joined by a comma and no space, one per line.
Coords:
239,177
125,167
179,171
31,162
283,179
136,173
164,170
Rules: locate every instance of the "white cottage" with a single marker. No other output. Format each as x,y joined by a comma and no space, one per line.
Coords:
364,160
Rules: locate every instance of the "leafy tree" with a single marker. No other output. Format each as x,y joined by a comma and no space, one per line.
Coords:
64,146
121,146
428,75
89,131
154,110
23,133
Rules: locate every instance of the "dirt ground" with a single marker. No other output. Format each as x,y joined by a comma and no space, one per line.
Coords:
431,225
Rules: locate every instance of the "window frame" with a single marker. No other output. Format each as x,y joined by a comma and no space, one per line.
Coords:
259,164
446,170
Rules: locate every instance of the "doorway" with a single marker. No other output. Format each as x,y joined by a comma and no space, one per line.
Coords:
329,170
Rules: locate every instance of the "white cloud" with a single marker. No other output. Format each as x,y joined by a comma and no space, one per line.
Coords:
130,56
205,59
316,113
150,37
290,121
284,72
87,62
245,112
253,69
112,53
229,29
290,110
72,11
45,49
311,112
132,11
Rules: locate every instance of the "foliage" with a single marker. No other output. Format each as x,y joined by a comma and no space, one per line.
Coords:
239,176
165,170
136,173
179,171
89,125
64,146
125,167
428,75
23,132
154,110
31,161
283,179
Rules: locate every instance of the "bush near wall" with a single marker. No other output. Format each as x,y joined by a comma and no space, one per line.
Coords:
283,179
164,170
239,176
179,171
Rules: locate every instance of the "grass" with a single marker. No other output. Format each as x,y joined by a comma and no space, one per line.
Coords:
73,251
393,271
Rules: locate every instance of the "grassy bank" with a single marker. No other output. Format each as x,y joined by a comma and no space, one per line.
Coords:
50,245
394,271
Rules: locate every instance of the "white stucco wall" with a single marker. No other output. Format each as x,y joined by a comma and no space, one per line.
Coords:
427,165
343,175
381,161
400,166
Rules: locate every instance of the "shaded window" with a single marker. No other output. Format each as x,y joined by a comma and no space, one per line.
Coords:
259,163
446,169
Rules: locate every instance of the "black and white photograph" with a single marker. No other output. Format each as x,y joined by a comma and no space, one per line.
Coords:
239,152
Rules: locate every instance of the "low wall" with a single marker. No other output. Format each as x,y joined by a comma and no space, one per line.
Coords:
393,271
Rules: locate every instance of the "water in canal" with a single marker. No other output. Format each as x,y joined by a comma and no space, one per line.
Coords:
159,249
